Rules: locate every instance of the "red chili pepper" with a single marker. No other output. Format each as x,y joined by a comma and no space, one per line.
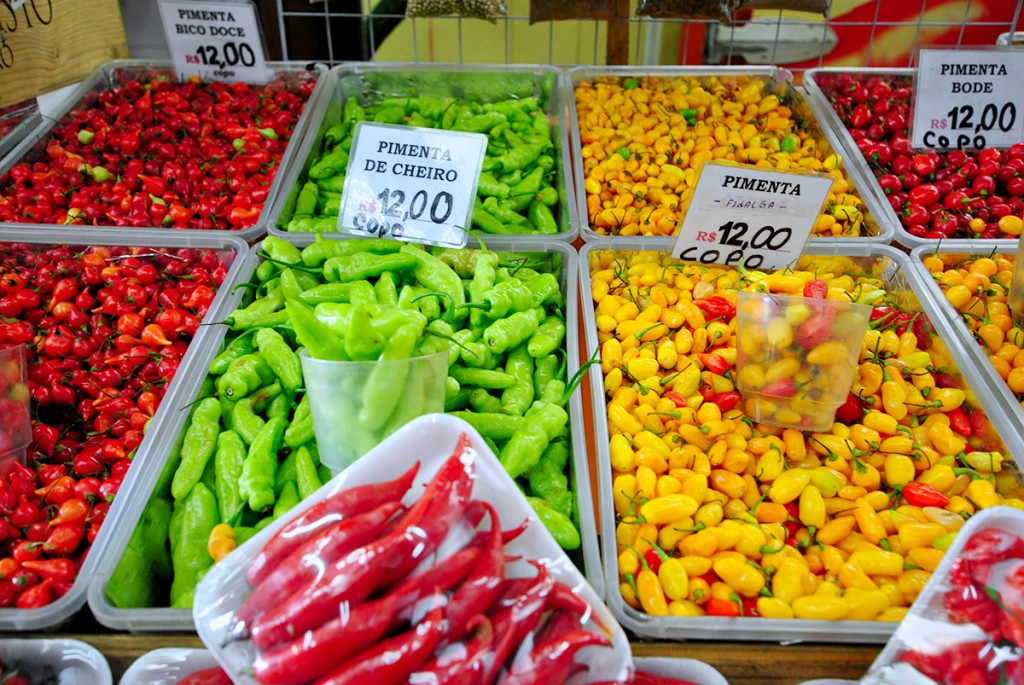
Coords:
969,605
515,618
923,495
959,422
312,522
726,400
713,362
303,565
391,661
815,330
35,597
816,289
721,607
208,676
312,654
676,398
986,548
61,570
784,387
850,411
552,661
652,559
468,667
716,307
154,336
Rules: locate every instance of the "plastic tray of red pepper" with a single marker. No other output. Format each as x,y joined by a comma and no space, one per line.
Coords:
714,525
928,195
106,327
967,625
640,135
463,582
525,186
16,122
968,281
133,147
232,402
50,662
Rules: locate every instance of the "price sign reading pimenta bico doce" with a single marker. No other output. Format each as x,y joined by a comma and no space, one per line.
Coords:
969,99
219,41
410,183
749,215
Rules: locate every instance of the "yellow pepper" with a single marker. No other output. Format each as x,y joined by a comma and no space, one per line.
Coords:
740,576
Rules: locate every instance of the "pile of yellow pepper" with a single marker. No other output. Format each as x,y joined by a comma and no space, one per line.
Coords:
644,140
977,286
719,515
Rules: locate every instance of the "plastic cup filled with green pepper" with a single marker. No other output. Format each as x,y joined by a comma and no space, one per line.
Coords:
356,404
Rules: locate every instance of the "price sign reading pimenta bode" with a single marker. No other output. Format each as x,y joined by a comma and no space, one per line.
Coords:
969,99
410,183
219,41
741,213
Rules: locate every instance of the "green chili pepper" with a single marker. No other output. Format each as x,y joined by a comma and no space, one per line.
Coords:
288,498
481,378
554,393
257,482
548,337
362,342
388,321
239,346
504,334
290,286
244,375
475,354
280,358
518,364
191,522
459,401
547,196
544,423
318,340
362,293
789,143
558,524
279,407
266,271
337,133
228,463
435,275
386,289
331,164
352,110
523,192
300,430
477,123
286,473
258,309
281,251
327,292
546,369
505,213
412,405
199,445
482,283
244,420
522,157
542,219
306,477
315,254
506,297
389,115
484,402
488,223
487,185
380,394
315,224
143,572
362,265
335,316
492,425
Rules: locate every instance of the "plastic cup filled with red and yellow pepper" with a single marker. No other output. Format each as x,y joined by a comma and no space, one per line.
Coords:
15,428
356,404
796,356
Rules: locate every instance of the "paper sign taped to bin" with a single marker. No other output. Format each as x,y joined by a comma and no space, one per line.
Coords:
411,183
745,214
219,41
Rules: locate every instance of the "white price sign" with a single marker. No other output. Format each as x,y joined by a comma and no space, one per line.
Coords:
741,213
219,41
969,99
410,183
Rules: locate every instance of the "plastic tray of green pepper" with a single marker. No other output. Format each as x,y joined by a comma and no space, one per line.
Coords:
240,446
110,326
524,189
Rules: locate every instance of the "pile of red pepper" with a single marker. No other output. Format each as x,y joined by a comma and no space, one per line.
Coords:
105,330
156,152
409,617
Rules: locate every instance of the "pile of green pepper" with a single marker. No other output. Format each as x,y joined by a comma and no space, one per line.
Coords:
516,192
248,451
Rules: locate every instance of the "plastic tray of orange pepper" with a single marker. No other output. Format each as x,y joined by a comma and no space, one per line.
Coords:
969,281
714,526
640,136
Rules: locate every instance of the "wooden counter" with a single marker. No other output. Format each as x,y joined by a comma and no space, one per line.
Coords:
742,663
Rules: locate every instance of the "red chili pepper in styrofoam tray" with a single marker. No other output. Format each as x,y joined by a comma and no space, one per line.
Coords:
175,666
460,583
967,625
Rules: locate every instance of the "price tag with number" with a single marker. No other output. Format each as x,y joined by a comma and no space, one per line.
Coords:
969,99
219,41
742,213
410,183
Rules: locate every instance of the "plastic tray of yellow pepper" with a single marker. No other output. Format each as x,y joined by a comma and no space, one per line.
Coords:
969,280
640,135
716,527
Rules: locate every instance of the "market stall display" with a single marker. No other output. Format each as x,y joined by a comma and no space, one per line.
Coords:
246,450
524,187
716,525
639,137
501,605
133,147
107,324
932,195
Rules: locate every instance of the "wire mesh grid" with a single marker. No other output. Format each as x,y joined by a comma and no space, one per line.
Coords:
872,33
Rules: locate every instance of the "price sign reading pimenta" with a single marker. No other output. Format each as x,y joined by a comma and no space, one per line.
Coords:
969,99
746,214
219,41
410,183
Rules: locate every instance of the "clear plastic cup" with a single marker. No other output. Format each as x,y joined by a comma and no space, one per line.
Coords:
796,357
15,426
356,404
